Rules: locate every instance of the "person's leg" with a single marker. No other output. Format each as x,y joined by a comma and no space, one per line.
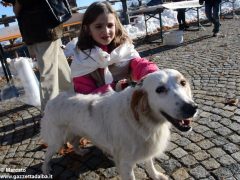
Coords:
179,18
64,72
182,15
184,19
208,11
216,17
47,58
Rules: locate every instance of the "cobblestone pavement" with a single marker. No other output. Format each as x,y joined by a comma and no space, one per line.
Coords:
210,151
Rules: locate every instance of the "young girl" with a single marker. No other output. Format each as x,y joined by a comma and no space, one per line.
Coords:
105,57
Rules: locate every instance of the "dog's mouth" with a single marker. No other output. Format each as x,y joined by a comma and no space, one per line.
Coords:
183,125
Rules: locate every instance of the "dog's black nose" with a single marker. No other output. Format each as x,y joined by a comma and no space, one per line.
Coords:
189,109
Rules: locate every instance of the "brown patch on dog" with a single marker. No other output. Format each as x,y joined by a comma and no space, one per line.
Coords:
139,102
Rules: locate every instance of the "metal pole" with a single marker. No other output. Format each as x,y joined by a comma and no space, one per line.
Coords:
125,12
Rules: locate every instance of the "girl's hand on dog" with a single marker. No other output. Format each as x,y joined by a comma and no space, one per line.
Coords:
121,84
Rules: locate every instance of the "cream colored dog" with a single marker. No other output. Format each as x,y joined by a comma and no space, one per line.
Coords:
132,125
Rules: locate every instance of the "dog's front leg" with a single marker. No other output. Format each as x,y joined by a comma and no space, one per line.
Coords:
46,168
153,173
126,170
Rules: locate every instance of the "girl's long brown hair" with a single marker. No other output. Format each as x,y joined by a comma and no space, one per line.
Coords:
85,40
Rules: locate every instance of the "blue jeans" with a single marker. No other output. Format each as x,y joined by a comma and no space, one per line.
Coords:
212,13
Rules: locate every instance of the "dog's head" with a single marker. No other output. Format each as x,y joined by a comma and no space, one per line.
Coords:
165,95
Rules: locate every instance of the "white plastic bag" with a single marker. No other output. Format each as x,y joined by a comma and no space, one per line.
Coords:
29,81
173,38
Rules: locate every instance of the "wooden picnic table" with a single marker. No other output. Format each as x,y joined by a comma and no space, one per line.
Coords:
11,33
151,11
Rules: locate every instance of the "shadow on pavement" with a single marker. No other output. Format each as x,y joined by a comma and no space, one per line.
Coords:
163,48
72,166
20,129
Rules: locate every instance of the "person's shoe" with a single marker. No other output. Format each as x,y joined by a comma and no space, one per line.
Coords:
186,26
181,27
216,34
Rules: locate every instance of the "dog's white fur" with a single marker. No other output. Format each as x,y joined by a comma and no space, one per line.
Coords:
128,124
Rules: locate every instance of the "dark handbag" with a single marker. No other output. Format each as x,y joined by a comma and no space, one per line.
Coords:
60,11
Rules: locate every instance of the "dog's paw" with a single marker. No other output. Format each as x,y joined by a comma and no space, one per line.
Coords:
159,176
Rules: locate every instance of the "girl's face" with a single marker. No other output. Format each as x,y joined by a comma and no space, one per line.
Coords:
102,29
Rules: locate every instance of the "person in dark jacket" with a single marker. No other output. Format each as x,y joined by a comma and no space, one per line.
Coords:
181,17
43,36
212,8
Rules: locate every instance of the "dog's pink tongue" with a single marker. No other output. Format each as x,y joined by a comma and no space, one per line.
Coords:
186,122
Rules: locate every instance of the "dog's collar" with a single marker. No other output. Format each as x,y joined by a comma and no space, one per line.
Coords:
134,84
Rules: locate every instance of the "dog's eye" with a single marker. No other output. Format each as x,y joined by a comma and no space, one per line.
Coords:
161,89
183,82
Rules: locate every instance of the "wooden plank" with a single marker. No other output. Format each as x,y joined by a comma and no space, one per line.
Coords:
13,32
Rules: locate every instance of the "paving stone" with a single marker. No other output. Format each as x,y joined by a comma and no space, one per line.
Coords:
201,155
236,156
180,174
110,172
231,148
226,160
219,141
205,144
159,168
209,134
226,114
222,173
162,157
140,173
189,160
26,161
205,114
38,155
175,136
223,131
225,121
215,117
192,147
204,121
234,138
216,152
171,146
182,142
230,108
235,168
235,126
178,152
201,129
236,118
210,164
208,178
214,125
170,165
195,137
237,111
199,172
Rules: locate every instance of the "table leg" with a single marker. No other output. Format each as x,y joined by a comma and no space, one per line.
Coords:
160,21
145,19
5,67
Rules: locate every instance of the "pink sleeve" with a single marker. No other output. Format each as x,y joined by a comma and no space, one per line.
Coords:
87,85
141,67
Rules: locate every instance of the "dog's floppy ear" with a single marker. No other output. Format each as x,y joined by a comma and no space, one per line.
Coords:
139,103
